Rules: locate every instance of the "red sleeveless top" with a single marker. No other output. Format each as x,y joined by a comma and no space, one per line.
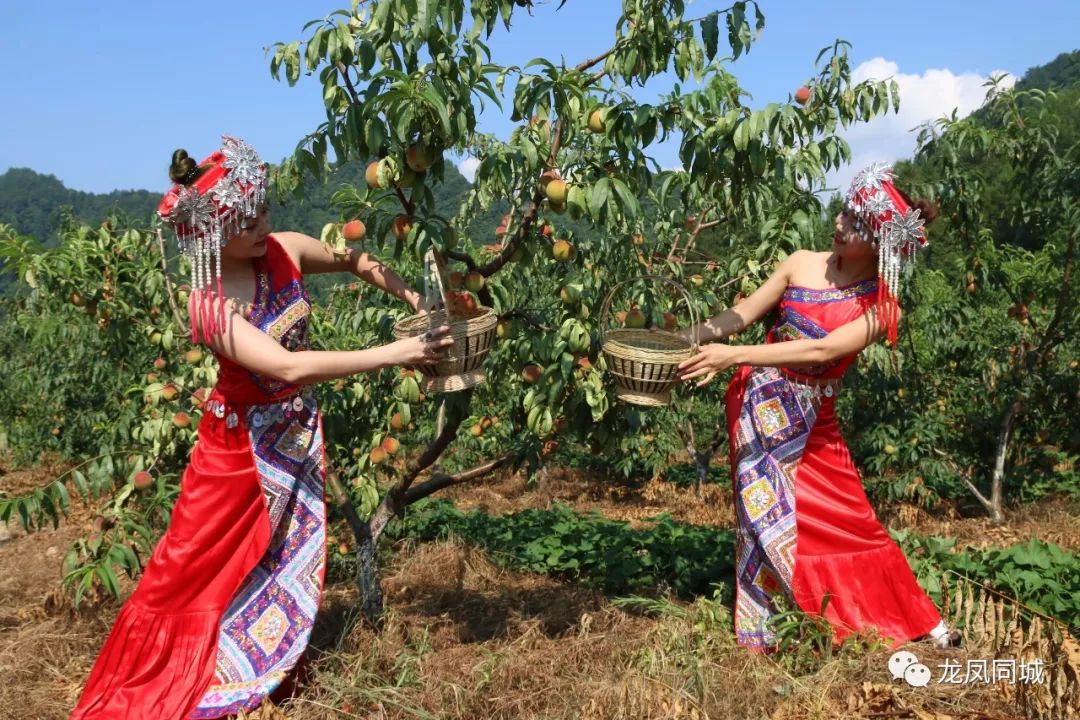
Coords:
281,309
814,313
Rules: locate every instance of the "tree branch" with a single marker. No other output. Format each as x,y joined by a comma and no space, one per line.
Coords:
964,476
394,501
582,67
530,215
440,482
348,83
404,201
698,227
341,499
511,314
462,257
433,451
168,285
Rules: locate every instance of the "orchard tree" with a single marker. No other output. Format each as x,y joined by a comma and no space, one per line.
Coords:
404,85
584,205
1019,332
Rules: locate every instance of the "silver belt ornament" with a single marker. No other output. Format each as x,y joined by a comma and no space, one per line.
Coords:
258,418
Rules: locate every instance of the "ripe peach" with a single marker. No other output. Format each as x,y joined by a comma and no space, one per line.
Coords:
354,231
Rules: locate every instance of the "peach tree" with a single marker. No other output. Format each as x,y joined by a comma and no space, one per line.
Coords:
583,203
992,344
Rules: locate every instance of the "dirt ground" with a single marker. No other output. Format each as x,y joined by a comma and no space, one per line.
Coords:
466,639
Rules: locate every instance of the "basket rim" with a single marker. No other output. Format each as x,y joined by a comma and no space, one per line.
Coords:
658,355
484,319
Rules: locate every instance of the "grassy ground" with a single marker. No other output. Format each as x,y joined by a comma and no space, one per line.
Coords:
466,639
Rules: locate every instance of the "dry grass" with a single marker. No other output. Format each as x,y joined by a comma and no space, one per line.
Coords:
510,492
46,649
466,639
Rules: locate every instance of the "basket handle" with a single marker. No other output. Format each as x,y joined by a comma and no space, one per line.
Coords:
434,280
606,307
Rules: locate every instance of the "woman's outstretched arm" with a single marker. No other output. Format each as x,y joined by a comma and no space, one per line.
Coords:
847,339
253,349
317,258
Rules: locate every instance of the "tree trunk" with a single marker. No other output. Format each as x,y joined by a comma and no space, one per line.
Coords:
367,574
997,517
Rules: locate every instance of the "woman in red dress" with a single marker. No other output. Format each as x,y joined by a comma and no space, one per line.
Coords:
226,603
805,527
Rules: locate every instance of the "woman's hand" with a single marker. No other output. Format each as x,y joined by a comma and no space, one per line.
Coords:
710,360
415,300
425,349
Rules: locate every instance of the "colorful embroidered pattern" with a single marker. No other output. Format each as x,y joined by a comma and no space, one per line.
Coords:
283,316
793,325
774,424
815,295
268,624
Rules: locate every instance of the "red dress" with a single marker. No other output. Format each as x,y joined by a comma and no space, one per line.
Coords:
225,606
805,527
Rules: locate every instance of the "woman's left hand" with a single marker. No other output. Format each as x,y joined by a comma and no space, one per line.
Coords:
710,360
415,300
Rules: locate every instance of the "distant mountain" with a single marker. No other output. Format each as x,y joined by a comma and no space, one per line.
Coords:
1061,72
32,203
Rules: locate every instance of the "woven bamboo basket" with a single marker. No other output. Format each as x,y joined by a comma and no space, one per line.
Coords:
645,362
473,333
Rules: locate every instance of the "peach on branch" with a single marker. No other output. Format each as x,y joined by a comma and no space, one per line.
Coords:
556,192
371,175
142,480
570,294
596,121
531,373
563,250
402,226
419,158
354,231
474,281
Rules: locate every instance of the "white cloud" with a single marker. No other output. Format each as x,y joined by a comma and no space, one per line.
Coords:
467,167
923,97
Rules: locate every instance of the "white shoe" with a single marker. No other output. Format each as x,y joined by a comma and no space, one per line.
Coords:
942,637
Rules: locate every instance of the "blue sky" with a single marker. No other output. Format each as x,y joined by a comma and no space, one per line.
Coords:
100,93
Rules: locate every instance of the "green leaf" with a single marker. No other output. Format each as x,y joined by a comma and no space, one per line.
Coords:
741,136
629,201
710,34
601,191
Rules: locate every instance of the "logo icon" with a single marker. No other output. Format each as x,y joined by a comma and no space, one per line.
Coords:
903,665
